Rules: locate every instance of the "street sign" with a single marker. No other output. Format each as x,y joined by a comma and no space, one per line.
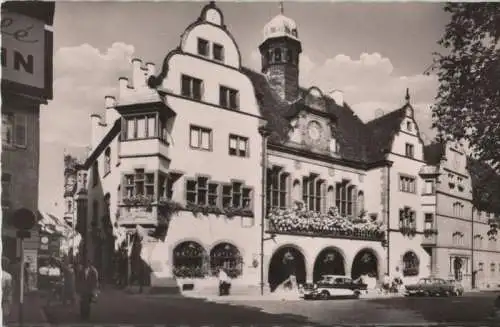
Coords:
23,219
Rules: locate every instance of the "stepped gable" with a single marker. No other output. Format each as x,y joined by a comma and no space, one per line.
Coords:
434,152
381,133
351,132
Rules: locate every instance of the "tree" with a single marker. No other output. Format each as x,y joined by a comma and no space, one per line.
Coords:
468,99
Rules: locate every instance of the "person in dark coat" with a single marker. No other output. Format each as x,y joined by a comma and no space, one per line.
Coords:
88,287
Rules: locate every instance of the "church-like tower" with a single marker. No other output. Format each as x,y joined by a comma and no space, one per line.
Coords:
280,53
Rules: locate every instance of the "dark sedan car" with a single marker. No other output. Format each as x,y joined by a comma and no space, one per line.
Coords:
430,287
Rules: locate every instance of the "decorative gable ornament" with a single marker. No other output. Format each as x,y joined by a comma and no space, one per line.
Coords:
315,99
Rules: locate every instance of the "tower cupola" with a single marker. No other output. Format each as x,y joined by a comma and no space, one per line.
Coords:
280,52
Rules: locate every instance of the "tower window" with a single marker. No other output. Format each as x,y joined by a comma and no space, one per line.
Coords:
218,52
288,55
202,47
277,55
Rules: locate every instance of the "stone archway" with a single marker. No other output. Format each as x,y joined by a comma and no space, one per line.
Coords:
329,261
365,263
286,261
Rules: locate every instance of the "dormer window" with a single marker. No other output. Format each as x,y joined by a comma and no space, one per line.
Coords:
203,47
218,52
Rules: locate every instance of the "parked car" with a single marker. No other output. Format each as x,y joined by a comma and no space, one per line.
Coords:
458,289
333,286
430,287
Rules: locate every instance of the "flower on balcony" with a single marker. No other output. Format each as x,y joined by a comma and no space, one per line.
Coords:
139,200
329,224
408,230
189,272
232,211
168,206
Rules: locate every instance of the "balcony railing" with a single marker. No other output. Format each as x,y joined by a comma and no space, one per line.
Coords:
332,225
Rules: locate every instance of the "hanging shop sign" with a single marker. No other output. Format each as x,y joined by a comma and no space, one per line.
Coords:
26,55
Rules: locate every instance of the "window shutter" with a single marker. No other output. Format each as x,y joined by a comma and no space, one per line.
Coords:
20,130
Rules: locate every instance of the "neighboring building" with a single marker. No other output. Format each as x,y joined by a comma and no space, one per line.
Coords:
457,235
26,84
190,163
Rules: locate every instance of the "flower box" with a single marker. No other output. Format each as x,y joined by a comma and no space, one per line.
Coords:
430,231
309,223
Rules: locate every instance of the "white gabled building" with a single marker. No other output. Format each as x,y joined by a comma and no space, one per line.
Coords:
189,161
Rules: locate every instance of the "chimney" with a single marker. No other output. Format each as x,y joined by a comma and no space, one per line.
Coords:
111,114
150,68
95,130
138,75
123,87
338,97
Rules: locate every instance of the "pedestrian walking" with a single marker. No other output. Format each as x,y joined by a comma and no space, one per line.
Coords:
88,287
7,285
224,282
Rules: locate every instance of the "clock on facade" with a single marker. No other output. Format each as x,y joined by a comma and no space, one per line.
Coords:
314,130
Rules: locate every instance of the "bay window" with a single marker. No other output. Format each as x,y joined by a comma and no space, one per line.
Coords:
313,193
139,183
142,127
344,198
277,188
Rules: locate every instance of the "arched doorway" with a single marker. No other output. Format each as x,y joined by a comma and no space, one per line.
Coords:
227,256
411,264
190,260
328,262
286,261
365,263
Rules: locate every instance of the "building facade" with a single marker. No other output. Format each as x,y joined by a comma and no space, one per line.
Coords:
208,164
26,84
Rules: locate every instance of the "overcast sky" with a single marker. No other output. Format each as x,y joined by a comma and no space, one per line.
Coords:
371,51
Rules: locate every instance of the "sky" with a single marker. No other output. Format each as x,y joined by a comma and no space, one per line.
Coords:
370,51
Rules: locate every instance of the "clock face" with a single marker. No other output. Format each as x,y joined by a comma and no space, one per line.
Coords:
314,130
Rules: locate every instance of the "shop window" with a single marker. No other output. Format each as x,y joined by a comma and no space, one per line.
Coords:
189,260
226,256
238,146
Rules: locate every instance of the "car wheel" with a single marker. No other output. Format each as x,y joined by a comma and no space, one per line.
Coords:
427,293
357,294
324,295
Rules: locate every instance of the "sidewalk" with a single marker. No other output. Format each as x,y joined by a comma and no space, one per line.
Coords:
33,310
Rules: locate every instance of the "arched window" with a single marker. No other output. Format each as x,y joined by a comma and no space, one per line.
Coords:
107,160
227,256
361,201
344,198
189,260
410,264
